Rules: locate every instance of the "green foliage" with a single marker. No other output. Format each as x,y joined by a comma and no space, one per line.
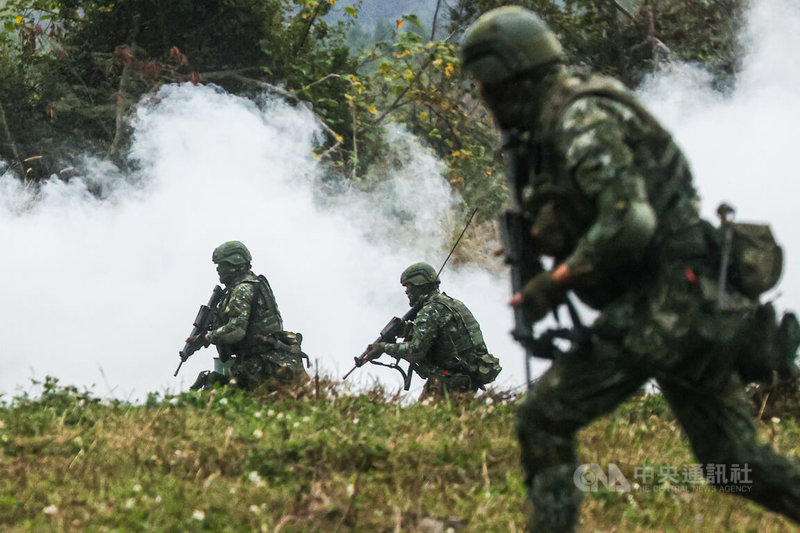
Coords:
71,70
629,43
418,83
321,458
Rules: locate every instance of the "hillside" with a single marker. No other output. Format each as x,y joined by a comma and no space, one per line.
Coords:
322,459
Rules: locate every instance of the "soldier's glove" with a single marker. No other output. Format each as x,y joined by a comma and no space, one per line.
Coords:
201,339
375,351
540,295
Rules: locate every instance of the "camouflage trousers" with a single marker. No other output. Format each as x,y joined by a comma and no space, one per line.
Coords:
250,371
668,333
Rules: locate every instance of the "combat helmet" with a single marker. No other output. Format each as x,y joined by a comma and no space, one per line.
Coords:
419,274
506,42
233,252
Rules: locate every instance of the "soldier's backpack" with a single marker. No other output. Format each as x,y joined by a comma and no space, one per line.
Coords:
487,367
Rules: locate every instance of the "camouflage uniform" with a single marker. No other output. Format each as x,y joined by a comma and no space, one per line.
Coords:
250,336
250,326
445,344
610,197
447,348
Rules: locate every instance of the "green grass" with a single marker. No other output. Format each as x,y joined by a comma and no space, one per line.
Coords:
326,459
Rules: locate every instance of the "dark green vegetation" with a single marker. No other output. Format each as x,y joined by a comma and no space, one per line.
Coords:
323,459
72,70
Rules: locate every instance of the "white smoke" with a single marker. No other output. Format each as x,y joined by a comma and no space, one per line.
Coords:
742,146
100,293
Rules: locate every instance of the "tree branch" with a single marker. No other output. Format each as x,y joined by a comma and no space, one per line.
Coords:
435,18
11,142
124,80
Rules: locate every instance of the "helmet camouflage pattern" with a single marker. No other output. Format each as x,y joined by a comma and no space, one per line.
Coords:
506,42
233,252
419,274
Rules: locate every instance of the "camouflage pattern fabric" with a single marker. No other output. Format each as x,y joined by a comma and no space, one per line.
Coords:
249,319
593,202
447,347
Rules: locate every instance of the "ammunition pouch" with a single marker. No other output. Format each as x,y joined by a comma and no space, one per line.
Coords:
756,259
770,348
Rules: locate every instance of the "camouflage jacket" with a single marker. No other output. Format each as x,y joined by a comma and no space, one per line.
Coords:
445,336
246,315
607,191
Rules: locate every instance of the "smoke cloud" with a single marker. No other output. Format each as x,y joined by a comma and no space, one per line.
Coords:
742,145
100,290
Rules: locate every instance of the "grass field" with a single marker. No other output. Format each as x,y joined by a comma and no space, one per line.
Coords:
321,458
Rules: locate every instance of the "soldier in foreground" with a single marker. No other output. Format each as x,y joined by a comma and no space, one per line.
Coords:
444,343
608,195
247,328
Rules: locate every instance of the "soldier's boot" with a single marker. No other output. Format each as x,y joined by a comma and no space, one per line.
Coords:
207,379
787,341
200,382
555,500
550,463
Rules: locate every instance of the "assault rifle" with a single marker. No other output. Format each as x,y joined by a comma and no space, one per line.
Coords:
203,323
393,329
525,262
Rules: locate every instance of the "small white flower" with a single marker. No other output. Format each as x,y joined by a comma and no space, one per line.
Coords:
355,421
223,401
775,420
280,416
351,489
306,418
174,401
257,414
157,499
137,488
199,515
270,413
489,401
296,425
255,478
258,433
254,509
50,509
129,503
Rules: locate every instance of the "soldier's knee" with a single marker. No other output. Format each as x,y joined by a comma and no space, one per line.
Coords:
534,415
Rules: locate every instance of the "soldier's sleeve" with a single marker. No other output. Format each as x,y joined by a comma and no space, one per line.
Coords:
238,313
426,326
592,136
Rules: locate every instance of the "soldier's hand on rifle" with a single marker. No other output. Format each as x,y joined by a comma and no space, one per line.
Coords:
540,294
375,351
199,339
